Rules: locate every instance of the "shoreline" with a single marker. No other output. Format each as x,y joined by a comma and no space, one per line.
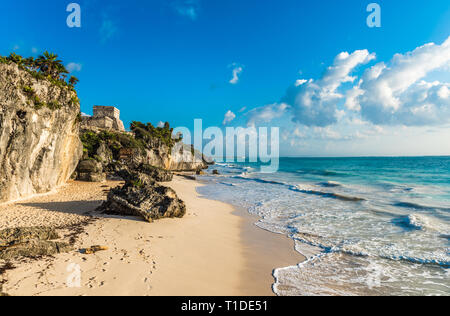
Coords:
214,250
263,252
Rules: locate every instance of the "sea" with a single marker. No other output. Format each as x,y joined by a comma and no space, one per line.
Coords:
367,226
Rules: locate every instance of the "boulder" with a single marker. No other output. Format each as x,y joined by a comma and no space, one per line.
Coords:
11,235
104,154
90,170
89,166
34,249
145,199
158,174
30,242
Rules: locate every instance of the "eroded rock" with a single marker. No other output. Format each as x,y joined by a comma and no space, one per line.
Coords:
17,235
90,170
30,242
34,249
144,198
158,174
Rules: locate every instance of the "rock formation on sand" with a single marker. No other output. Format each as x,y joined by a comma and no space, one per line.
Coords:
142,196
30,242
39,132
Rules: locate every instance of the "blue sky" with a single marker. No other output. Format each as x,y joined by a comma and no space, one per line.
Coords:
164,60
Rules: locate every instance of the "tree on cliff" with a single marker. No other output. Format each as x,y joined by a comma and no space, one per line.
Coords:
46,66
147,132
73,81
49,64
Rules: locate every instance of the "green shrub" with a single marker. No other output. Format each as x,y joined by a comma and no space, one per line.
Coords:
29,91
53,105
147,133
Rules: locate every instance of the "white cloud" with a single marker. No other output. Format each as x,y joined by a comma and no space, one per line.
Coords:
402,92
160,124
74,67
108,28
300,82
243,109
397,93
237,70
314,103
229,117
187,8
266,113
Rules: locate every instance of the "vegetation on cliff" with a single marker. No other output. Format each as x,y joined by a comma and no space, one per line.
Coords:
147,133
115,141
145,136
45,67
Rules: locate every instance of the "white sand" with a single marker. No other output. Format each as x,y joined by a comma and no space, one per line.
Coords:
213,250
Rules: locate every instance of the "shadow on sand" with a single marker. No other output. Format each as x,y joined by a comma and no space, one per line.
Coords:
84,208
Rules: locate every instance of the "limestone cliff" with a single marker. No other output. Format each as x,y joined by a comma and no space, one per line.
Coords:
179,158
106,151
39,142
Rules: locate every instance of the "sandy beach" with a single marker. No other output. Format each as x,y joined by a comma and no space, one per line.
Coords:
214,250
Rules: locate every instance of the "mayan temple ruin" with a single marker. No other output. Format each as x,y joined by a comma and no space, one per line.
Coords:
105,117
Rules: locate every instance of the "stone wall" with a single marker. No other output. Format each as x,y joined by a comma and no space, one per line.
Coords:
105,117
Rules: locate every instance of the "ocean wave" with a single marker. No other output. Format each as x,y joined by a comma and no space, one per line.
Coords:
308,190
342,274
422,222
361,233
227,184
324,173
409,222
260,180
444,263
330,184
354,249
420,206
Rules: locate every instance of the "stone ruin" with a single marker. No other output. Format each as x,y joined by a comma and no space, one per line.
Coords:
105,117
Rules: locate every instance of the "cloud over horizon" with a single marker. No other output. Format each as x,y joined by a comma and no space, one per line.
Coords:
400,92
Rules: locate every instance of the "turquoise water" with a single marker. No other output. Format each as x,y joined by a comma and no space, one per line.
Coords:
368,226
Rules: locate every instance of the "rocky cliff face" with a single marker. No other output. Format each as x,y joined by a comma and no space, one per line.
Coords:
39,143
180,158
108,152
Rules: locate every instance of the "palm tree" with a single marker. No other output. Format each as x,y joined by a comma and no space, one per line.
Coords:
73,81
30,63
49,64
61,71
